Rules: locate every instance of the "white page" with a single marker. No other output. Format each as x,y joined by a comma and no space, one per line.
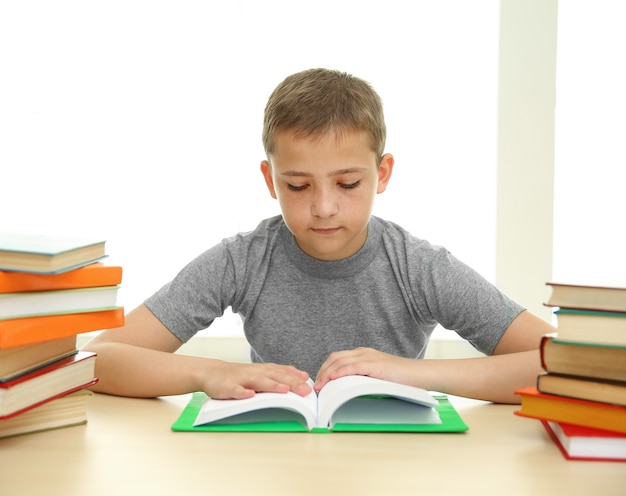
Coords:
214,410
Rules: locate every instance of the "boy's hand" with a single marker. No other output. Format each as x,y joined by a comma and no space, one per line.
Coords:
364,361
228,380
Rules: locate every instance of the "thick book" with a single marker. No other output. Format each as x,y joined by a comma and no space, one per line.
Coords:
583,359
29,330
90,276
65,411
584,443
47,383
348,404
603,391
535,404
37,303
47,254
588,326
19,360
612,299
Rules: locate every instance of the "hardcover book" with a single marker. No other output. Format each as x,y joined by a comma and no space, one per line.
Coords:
612,299
92,275
47,383
36,303
47,254
571,411
348,404
583,359
589,326
584,443
65,411
22,359
29,330
613,392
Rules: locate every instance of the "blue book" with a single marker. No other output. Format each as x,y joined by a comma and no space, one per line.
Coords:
47,254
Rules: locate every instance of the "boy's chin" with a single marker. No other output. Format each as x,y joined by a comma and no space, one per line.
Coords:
327,253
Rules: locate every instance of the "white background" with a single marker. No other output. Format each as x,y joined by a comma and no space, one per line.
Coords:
140,121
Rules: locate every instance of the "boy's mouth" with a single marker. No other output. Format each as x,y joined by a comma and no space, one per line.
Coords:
325,230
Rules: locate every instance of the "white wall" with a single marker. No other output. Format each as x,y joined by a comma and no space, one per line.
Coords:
590,162
525,175
140,121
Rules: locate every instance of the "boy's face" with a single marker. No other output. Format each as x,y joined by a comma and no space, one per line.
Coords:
326,187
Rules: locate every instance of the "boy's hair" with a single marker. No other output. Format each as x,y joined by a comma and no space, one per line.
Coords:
316,101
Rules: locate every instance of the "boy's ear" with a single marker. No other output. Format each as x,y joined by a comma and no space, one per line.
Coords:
384,172
266,170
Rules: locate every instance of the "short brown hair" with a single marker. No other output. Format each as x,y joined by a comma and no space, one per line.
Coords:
316,101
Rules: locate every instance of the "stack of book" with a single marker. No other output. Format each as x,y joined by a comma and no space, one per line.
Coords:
581,396
51,290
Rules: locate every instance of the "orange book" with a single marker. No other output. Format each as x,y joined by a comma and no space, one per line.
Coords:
90,276
28,330
571,411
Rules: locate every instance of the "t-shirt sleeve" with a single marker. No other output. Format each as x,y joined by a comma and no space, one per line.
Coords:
198,294
462,300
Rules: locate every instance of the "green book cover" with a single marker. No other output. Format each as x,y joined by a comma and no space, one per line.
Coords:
57,302
592,313
582,344
279,420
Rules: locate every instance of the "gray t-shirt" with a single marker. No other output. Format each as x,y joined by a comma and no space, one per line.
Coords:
296,310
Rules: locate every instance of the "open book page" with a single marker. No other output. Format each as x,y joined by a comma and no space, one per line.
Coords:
261,407
383,411
352,399
367,400
359,414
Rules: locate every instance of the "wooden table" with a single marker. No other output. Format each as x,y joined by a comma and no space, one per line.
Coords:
127,447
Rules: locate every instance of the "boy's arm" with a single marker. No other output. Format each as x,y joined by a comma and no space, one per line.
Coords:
138,359
514,364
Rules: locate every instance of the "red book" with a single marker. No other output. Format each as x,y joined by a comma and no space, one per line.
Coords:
584,443
28,330
90,276
47,383
570,410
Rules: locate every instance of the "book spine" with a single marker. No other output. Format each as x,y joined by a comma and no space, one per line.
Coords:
92,275
545,340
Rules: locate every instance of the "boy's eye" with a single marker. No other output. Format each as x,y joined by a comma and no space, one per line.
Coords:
302,187
293,187
350,185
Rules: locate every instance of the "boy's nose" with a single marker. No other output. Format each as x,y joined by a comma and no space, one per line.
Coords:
324,203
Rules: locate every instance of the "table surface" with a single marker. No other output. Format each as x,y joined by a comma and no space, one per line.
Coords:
127,447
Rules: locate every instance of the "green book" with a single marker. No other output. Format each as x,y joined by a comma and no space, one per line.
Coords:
348,404
589,326
62,301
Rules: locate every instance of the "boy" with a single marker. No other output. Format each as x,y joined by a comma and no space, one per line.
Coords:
324,290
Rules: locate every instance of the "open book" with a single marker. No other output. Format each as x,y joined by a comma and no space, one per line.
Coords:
352,403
